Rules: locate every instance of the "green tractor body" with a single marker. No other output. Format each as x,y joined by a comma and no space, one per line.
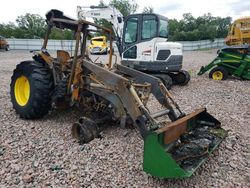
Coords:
231,61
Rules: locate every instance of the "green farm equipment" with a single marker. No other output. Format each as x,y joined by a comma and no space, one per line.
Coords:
175,143
231,61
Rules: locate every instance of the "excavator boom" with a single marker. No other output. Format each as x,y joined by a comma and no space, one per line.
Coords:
108,13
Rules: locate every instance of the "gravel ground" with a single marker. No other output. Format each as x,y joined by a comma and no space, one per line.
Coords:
42,153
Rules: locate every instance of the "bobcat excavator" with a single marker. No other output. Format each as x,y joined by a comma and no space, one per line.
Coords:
142,43
175,144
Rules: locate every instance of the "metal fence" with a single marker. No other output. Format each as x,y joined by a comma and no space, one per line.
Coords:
202,44
35,44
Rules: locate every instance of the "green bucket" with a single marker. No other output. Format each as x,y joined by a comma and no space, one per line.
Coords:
179,148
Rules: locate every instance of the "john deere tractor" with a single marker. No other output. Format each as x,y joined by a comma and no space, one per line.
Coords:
175,144
231,61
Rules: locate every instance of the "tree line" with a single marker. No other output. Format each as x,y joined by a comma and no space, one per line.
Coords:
188,28
206,27
31,26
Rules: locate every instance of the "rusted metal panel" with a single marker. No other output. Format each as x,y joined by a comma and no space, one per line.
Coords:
73,24
73,67
180,121
114,99
174,132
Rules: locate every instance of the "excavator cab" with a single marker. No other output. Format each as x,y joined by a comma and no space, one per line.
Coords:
144,47
144,41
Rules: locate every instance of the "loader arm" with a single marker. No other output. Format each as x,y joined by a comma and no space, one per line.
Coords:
173,149
124,92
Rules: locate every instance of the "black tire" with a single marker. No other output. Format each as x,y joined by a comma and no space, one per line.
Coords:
40,81
218,73
7,48
182,78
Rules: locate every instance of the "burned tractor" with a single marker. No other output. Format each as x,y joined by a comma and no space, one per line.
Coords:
175,144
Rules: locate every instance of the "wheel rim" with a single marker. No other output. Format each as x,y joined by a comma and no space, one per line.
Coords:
22,90
217,75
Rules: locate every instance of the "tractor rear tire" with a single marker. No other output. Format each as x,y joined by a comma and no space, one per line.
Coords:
30,89
218,73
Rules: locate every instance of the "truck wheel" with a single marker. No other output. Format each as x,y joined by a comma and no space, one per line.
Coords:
218,73
30,89
182,78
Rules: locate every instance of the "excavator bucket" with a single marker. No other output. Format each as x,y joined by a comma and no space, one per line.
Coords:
178,149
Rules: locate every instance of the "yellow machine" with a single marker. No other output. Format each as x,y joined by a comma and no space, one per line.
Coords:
175,143
4,44
98,45
239,32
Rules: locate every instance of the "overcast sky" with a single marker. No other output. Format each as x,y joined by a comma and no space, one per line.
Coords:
10,9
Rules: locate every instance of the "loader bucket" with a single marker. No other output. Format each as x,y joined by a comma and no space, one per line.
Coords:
178,149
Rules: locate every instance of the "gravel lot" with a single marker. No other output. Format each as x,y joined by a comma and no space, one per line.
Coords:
42,153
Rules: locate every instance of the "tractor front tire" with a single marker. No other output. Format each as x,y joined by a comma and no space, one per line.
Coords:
218,73
30,89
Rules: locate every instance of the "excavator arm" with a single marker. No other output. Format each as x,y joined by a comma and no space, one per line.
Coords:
108,13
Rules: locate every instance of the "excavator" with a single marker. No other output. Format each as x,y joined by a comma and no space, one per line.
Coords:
142,43
175,143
